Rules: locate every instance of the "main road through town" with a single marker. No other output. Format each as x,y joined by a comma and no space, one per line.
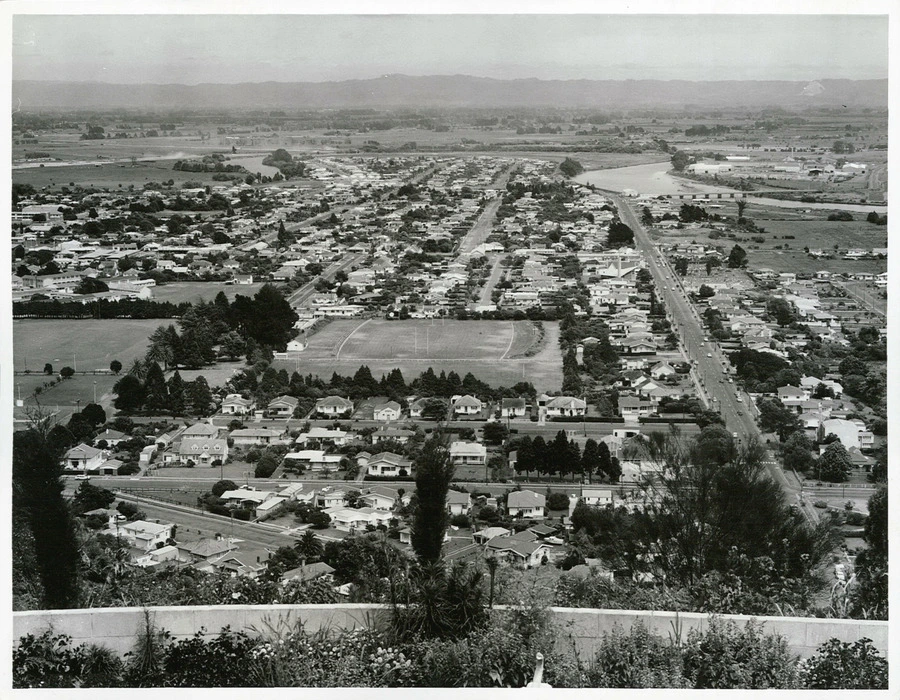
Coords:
710,364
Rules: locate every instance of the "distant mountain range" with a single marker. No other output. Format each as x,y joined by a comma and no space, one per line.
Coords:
453,91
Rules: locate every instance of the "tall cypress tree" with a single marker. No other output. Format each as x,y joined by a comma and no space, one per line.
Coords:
430,520
38,500
176,388
155,387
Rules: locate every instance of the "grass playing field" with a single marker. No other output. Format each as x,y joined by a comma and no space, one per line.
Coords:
491,350
177,292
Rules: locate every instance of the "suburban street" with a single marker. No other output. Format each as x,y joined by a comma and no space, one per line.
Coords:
299,296
710,364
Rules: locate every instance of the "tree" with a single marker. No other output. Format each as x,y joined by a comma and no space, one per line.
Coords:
775,418
737,257
91,285
570,167
48,369
162,346
155,388
39,506
680,161
233,345
94,414
619,235
130,394
834,463
705,291
433,475
89,497
199,396
590,458
797,453
267,318
177,394
495,433
781,310
222,486
66,372
115,367
870,598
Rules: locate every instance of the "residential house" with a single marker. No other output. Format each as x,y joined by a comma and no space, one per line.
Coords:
256,436
203,451
559,406
517,552
309,572
399,435
331,497
319,437
458,503
356,519
144,535
380,498
202,551
198,430
315,460
111,437
240,562
468,453
282,407
512,408
632,408
526,504
467,405
387,464
387,411
83,458
236,405
597,497
851,433
793,397
334,407
662,370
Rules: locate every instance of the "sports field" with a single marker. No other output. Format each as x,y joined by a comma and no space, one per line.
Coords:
177,292
494,351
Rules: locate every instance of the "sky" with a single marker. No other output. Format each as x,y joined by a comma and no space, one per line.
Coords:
191,49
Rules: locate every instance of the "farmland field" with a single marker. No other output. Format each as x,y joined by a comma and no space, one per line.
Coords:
177,292
492,350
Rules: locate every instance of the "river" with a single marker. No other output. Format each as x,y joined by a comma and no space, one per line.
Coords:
654,178
254,164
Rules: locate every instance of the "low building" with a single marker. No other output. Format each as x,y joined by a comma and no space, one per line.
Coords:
467,405
282,407
387,411
565,406
143,535
387,464
468,453
458,503
83,458
512,408
526,504
256,436
334,407
236,405
203,451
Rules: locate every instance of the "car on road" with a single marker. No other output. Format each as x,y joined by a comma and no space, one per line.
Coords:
82,477
709,354
553,540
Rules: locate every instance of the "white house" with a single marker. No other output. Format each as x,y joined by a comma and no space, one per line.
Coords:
143,535
512,408
387,411
282,406
468,453
83,458
565,406
526,504
236,405
467,405
458,503
256,436
334,406
387,464
517,552
203,451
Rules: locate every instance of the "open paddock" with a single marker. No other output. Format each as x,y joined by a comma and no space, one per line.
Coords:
177,292
493,351
799,262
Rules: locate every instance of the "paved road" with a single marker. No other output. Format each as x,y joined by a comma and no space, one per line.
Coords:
300,295
492,281
710,364
865,296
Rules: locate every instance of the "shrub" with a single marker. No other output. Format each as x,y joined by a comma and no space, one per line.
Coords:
50,661
460,520
839,664
557,500
727,657
636,659
217,663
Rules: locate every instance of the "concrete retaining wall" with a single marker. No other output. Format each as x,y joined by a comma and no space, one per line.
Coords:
117,628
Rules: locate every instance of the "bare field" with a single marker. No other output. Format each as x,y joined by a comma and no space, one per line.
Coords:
484,348
798,261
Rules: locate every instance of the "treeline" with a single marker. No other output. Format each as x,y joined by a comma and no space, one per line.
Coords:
563,457
101,308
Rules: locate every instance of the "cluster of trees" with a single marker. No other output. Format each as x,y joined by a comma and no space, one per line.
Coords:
714,524
571,168
620,235
144,388
285,162
564,457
